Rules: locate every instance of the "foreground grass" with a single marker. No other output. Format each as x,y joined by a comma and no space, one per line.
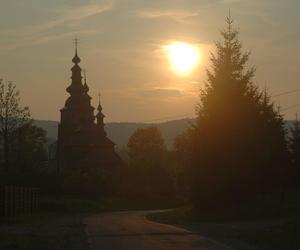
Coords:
52,207
49,231
17,242
79,205
285,236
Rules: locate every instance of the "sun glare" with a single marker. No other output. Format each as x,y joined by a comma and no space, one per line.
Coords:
183,57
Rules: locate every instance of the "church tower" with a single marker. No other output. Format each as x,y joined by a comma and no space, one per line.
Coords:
80,138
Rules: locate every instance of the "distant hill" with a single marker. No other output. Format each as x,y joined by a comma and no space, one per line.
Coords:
121,131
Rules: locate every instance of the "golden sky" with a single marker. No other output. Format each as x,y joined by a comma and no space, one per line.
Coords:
122,47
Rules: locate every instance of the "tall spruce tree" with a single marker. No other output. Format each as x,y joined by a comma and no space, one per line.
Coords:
295,149
238,138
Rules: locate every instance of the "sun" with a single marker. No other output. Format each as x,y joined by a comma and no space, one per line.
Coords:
183,57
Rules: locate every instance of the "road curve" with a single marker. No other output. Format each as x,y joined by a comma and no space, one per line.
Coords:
132,231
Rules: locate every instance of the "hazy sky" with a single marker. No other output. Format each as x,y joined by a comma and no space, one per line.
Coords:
121,49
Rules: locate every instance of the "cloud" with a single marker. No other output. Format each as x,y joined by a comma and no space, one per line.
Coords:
61,36
77,14
234,1
55,28
153,93
174,14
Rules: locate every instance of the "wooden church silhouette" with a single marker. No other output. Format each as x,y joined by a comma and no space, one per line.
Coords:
81,139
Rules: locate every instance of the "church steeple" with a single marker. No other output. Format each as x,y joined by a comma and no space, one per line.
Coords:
76,59
76,87
78,110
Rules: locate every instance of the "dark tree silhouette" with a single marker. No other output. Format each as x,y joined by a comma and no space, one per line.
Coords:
28,148
273,164
12,116
238,138
146,147
147,159
295,149
182,154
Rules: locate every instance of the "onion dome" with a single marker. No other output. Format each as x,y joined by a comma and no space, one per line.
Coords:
76,59
85,86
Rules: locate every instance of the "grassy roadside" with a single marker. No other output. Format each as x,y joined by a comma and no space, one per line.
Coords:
17,242
261,224
53,207
265,235
267,207
49,231
77,205
285,236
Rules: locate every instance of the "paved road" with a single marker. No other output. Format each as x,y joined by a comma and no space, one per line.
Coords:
132,231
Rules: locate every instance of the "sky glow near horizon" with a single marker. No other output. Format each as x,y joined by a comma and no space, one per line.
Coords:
120,45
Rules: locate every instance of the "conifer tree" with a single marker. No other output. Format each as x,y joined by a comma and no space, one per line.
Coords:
238,138
295,149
